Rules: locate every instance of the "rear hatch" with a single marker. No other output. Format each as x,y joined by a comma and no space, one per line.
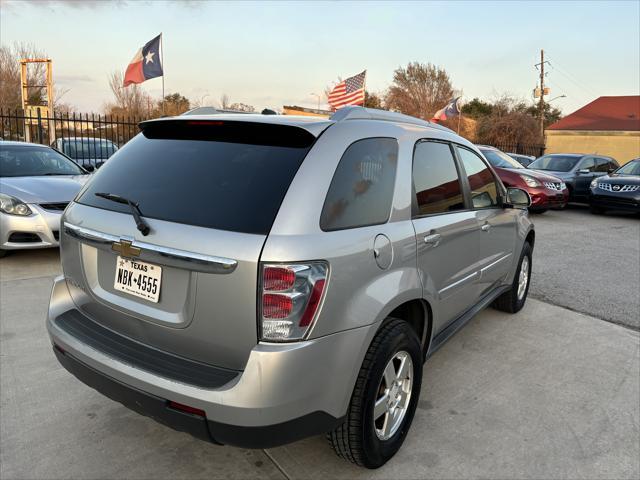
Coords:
209,191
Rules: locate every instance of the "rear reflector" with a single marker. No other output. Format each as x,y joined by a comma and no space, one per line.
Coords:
314,301
186,409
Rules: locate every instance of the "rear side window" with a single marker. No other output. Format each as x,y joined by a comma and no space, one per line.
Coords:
361,191
435,179
223,175
484,189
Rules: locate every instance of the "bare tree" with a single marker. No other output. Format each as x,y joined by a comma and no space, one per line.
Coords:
225,101
241,107
419,90
128,101
10,94
509,122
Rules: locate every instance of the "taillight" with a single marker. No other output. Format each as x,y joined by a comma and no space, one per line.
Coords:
289,299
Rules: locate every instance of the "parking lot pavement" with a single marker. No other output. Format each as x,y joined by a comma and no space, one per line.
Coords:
547,393
589,263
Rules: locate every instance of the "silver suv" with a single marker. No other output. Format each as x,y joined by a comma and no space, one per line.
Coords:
256,279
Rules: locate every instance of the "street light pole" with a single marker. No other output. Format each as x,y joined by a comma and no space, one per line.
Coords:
316,95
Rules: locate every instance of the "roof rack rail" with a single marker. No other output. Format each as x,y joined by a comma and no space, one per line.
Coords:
362,113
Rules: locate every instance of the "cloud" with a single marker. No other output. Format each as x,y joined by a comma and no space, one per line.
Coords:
73,78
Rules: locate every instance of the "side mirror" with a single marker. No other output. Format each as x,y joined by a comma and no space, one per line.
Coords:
89,168
611,170
517,198
584,171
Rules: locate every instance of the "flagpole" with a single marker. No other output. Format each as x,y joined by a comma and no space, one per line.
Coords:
162,60
459,115
364,86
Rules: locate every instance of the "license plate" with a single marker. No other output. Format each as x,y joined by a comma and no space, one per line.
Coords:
138,278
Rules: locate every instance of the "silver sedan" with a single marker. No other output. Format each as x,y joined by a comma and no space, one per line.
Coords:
36,184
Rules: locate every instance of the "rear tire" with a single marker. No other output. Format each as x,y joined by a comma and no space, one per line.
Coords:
537,210
514,299
4,253
361,438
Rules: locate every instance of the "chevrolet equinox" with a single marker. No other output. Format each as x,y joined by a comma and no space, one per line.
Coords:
256,279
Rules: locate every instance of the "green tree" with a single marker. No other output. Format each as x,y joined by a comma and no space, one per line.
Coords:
174,104
419,90
373,100
477,108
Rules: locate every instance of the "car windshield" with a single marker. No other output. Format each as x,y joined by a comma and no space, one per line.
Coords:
86,148
499,159
556,163
26,161
631,168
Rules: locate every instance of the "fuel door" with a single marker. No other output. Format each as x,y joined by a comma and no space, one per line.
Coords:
383,251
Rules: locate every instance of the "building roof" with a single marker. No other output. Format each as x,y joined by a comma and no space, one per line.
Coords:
604,114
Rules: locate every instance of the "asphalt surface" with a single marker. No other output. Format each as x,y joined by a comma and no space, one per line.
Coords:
589,263
546,393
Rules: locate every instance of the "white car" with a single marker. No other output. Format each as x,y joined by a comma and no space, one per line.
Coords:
36,184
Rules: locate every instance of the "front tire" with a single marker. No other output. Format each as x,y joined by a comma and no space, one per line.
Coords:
513,300
384,398
596,210
3,253
537,210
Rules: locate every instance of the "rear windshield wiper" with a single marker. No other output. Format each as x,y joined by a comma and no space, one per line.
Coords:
135,210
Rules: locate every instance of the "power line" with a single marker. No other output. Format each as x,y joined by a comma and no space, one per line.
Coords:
572,79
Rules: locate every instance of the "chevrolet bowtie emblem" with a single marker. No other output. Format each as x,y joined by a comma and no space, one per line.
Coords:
125,248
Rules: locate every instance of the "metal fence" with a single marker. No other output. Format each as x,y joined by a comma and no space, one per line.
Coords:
533,149
87,138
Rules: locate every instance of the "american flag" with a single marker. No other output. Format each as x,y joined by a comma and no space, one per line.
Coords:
348,92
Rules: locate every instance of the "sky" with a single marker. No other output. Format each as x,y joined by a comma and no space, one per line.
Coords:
270,54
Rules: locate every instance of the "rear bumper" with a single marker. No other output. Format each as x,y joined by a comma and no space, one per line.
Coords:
199,426
285,392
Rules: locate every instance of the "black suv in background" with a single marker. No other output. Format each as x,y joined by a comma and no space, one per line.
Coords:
618,191
576,170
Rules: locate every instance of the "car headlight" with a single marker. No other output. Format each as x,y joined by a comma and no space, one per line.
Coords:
13,206
563,186
532,182
594,183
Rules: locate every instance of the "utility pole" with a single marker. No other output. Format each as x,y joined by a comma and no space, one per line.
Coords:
541,102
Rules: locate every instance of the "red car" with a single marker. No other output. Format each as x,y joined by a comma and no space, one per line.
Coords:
546,191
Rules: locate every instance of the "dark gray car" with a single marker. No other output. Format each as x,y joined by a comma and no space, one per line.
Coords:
255,279
576,170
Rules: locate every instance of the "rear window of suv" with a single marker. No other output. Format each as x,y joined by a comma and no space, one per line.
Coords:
223,175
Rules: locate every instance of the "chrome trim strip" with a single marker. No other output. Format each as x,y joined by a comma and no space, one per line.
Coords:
483,270
156,253
468,278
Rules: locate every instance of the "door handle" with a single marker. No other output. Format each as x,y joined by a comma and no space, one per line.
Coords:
486,227
433,239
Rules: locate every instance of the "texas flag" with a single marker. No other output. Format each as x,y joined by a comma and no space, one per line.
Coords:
451,109
145,64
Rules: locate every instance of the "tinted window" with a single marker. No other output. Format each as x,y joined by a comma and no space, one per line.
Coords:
18,161
631,168
602,165
484,190
435,179
588,163
499,159
361,190
557,163
235,185
86,148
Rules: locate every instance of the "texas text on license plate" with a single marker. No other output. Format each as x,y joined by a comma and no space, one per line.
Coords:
138,278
